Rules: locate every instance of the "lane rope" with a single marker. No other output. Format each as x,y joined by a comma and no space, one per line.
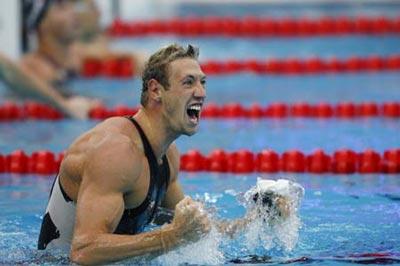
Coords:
10,111
123,67
256,27
342,161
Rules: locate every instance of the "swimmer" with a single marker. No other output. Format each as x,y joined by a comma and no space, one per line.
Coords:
114,178
43,74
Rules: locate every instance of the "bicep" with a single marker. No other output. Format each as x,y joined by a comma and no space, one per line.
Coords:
98,211
108,175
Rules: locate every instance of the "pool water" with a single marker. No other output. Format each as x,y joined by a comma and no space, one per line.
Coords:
343,218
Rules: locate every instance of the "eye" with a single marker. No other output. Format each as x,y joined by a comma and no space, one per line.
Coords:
203,82
188,82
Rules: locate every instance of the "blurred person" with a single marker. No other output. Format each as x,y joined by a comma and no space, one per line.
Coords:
43,74
115,178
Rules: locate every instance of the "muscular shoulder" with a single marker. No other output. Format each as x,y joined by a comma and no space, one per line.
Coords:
109,156
174,160
114,159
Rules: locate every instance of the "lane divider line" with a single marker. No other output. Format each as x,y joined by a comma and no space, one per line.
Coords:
256,27
123,67
11,111
342,161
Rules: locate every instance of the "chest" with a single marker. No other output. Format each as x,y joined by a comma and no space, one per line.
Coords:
151,185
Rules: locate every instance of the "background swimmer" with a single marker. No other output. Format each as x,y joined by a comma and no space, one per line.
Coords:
67,32
44,73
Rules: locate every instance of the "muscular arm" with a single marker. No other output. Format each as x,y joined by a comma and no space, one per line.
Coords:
100,205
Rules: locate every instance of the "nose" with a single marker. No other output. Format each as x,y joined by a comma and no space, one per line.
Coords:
200,91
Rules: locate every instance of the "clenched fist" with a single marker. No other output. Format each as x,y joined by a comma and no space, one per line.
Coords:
190,220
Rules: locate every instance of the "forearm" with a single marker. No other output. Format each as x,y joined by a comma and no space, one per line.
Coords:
230,228
105,248
21,81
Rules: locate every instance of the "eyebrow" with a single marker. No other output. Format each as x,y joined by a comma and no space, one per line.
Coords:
201,77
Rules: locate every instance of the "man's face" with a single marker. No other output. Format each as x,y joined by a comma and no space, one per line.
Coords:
61,21
183,100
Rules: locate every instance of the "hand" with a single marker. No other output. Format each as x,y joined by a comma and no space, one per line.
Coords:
283,206
190,221
79,107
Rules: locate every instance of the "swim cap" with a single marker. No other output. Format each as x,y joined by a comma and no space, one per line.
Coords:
34,11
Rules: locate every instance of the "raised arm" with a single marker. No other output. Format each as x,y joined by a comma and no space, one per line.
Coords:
110,174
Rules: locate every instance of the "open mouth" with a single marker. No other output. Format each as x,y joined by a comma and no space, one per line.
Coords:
193,111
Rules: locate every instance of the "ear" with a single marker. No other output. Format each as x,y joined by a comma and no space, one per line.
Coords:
155,89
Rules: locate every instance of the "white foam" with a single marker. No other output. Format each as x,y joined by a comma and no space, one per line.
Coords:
283,187
267,231
263,230
204,252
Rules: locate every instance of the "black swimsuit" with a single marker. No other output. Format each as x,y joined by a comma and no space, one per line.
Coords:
59,219
134,220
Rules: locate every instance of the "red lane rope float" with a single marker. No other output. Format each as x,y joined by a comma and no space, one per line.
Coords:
10,111
114,67
123,68
257,27
40,162
343,161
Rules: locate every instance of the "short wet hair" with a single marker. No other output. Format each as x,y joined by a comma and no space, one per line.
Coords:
157,66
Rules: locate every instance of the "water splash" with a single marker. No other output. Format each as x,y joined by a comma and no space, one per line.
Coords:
204,252
279,235
269,228
274,208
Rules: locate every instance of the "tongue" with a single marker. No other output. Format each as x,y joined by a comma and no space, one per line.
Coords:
193,118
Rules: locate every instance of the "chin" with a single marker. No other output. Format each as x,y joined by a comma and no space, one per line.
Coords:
190,132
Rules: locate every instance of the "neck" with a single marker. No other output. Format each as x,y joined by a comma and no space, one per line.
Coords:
158,134
55,51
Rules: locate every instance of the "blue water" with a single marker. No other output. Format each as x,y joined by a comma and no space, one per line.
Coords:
266,48
293,9
342,216
264,89
280,135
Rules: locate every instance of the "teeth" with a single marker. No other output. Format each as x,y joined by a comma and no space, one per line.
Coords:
195,107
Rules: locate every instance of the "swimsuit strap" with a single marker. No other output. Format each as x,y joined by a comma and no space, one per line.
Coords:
159,176
148,151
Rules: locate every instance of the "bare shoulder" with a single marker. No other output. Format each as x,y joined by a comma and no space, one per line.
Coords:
174,160
108,155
